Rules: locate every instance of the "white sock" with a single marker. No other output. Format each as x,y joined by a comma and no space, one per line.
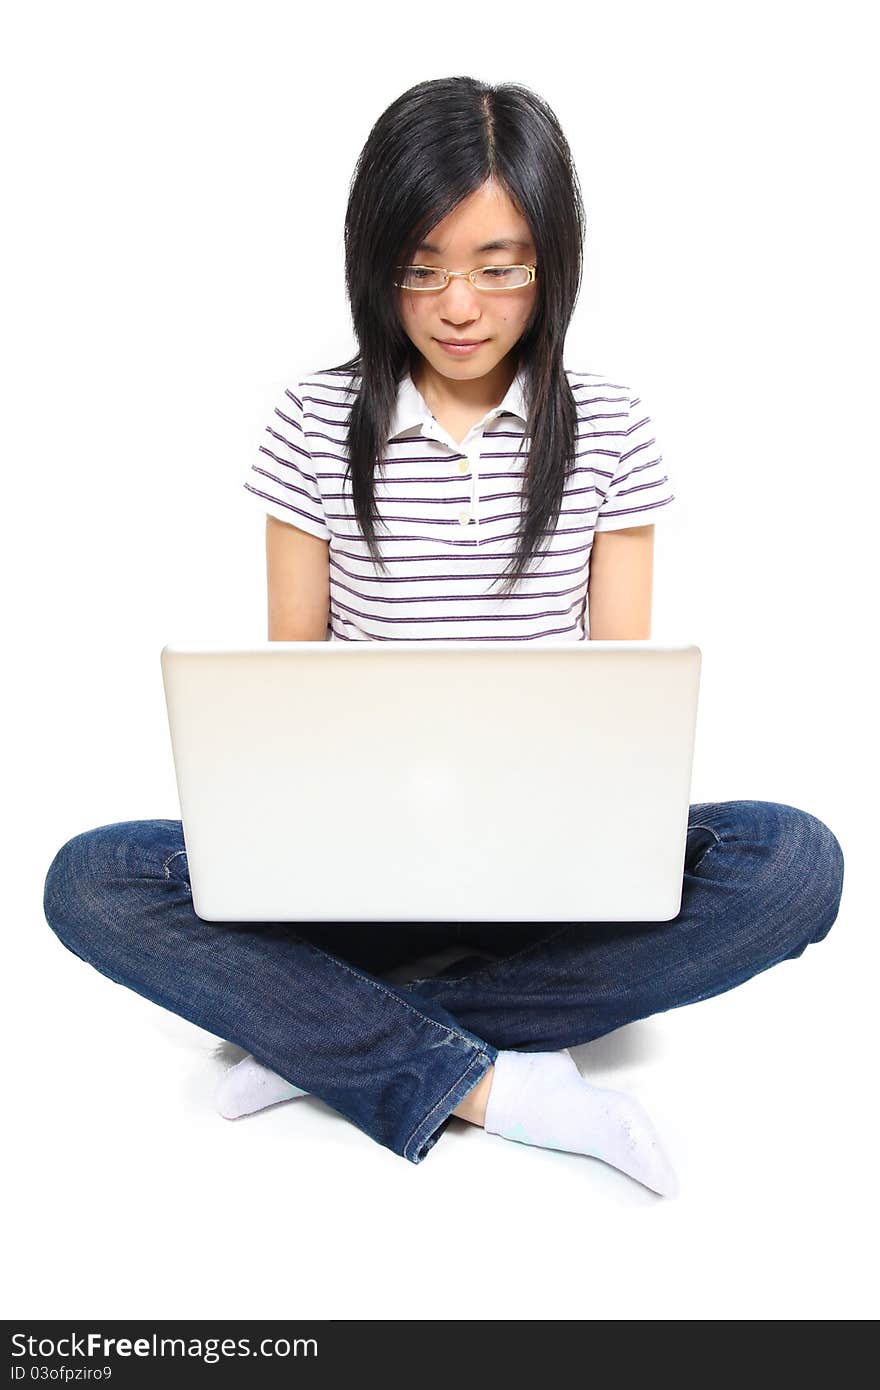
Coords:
541,1098
249,1086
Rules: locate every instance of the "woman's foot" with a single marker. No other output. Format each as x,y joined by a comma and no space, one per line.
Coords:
532,1097
249,1086
541,1098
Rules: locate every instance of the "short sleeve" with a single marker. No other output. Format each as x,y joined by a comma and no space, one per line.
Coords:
641,491
282,477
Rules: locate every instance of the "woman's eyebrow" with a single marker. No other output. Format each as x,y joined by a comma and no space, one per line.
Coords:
501,244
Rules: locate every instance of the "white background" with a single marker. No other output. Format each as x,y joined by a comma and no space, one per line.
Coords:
176,179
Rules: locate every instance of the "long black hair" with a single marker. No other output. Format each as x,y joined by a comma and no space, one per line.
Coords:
436,144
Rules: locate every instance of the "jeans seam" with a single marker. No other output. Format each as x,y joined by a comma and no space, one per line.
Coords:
366,978
711,830
427,1118
169,859
388,993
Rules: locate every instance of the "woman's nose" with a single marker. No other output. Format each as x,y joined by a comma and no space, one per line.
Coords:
460,300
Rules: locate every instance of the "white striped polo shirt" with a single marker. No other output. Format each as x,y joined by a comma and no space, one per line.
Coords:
452,510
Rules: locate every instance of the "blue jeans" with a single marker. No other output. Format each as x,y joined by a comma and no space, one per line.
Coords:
761,882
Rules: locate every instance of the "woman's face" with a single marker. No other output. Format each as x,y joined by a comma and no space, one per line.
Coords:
462,312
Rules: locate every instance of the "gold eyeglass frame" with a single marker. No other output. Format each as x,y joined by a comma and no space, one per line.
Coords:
469,274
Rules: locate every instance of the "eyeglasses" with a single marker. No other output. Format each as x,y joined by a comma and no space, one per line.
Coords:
488,277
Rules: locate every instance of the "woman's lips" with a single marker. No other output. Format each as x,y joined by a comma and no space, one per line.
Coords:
460,349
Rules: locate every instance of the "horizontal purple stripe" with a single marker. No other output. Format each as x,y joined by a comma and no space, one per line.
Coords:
448,578
535,596
480,553
478,544
452,456
497,518
503,637
454,617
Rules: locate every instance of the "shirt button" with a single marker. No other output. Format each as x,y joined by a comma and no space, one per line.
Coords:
464,518
463,466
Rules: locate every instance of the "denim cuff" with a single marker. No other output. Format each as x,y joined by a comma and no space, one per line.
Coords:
426,1134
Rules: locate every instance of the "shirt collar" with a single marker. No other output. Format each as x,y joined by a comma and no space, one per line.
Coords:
412,409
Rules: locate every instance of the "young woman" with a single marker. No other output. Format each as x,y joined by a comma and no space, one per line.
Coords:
455,480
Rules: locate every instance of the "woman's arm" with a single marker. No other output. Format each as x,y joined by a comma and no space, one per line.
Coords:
621,579
298,581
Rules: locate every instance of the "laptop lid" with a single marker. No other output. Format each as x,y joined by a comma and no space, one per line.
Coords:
437,781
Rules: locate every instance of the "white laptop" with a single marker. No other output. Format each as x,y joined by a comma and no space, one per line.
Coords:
434,781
